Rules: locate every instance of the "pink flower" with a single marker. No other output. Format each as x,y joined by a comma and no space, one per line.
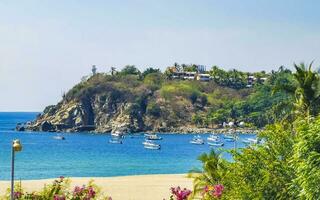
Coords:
91,192
180,194
218,189
215,190
58,197
17,195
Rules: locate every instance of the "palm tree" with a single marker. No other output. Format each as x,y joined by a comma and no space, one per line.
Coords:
113,70
306,90
212,172
177,67
214,72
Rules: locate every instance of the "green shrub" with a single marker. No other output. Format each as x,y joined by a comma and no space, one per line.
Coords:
154,109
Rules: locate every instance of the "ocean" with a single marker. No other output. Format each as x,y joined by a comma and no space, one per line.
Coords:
91,155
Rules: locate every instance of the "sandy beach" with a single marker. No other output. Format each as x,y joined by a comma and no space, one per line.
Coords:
142,187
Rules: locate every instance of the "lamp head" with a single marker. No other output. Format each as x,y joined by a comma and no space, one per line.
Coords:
16,145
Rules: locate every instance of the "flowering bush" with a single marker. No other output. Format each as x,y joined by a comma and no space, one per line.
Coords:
179,194
59,190
213,191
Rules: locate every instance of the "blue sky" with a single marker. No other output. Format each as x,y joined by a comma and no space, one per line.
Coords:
47,46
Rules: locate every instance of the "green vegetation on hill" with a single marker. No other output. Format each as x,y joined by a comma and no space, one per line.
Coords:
203,104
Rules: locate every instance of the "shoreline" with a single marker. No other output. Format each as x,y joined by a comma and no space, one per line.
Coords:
135,187
181,131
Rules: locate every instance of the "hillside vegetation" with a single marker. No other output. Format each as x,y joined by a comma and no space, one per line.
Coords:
134,101
285,163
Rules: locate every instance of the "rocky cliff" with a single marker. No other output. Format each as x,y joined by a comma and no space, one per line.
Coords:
106,103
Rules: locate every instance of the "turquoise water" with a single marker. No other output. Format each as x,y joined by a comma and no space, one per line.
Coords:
88,155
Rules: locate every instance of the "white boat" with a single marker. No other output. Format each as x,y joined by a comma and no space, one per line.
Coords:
213,138
59,137
229,140
197,140
228,137
153,137
115,141
250,141
117,134
216,144
150,145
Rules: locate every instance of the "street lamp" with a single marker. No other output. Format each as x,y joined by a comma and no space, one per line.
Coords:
16,147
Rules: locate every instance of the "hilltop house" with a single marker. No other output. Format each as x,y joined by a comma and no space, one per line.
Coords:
252,80
199,74
203,77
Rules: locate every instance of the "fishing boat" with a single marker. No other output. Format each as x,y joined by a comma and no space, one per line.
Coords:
216,144
213,138
117,134
115,141
197,140
153,137
148,144
59,137
250,141
228,137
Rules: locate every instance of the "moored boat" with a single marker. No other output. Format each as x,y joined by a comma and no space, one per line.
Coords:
197,140
213,138
250,141
228,137
117,134
153,137
216,144
150,145
59,137
115,141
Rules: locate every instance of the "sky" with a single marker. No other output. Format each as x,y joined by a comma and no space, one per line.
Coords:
47,46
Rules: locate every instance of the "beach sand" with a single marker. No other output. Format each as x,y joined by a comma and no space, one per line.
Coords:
142,187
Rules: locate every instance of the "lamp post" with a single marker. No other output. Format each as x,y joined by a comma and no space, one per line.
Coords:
16,147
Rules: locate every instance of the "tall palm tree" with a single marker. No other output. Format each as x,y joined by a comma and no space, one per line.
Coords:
308,91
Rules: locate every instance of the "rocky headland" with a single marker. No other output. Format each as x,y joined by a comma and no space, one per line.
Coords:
153,102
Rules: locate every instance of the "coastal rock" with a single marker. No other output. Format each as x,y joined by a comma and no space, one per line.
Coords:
20,128
46,126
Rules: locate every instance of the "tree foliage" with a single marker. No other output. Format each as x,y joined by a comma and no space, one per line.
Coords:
286,165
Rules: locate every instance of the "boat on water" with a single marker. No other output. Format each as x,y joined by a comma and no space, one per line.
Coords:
117,134
153,137
213,138
115,141
229,140
216,144
148,144
228,137
59,137
197,140
250,141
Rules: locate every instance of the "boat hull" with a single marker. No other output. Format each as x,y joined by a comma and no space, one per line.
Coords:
152,147
115,141
220,144
196,142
